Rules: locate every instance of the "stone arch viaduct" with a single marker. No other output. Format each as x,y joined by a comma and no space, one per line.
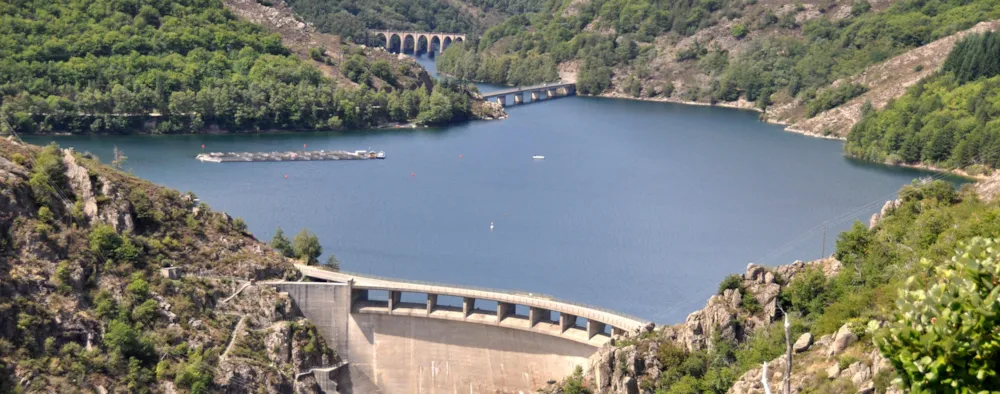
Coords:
400,336
441,39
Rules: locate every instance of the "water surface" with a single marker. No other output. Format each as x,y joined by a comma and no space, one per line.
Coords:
640,207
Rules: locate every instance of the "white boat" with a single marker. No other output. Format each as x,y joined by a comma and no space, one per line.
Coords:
538,157
380,155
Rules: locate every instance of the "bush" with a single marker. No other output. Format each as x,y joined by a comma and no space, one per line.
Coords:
750,303
944,335
846,361
104,240
738,30
734,281
240,225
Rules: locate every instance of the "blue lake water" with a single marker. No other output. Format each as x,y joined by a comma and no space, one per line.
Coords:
640,207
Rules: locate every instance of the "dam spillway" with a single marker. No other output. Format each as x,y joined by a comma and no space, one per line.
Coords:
393,344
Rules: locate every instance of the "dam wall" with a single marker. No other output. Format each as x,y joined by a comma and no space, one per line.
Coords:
326,305
407,354
419,344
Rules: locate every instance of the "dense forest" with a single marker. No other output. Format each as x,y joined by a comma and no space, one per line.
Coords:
615,36
113,66
949,120
351,19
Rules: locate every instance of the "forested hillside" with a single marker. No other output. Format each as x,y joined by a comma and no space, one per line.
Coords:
112,66
718,50
949,120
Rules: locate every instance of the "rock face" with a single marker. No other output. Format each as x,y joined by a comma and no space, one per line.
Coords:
79,182
889,206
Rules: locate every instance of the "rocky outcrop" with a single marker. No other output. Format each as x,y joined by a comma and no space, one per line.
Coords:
887,208
116,211
989,188
79,181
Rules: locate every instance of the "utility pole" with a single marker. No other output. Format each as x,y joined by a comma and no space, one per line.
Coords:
823,256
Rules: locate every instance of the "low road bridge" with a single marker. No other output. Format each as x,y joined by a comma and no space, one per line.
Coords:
441,39
538,92
400,335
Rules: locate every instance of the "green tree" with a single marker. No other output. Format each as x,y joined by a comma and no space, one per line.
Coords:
306,247
281,244
333,263
944,339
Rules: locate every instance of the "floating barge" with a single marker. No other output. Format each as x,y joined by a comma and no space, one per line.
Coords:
318,155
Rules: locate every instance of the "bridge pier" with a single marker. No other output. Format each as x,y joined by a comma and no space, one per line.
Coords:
518,98
535,96
550,93
503,310
468,305
594,328
502,100
536,315
566,321
432,300
394,300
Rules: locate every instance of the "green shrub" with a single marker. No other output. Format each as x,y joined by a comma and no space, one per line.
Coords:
751,304
18,159
738,30
104,240
945,331
846,361
240,225
734,282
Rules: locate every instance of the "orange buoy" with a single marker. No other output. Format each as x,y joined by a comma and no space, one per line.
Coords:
459,156
202,146
413,174
286,176
303,146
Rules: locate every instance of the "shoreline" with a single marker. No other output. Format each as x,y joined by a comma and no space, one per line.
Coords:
747,106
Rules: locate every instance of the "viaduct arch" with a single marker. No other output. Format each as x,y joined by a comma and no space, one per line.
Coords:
441,39
400,336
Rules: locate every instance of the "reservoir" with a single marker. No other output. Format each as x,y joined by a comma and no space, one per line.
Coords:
640,207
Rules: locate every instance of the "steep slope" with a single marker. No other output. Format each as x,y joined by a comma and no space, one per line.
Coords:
109,283
884,82
840,311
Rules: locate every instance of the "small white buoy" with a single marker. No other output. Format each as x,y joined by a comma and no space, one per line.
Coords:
491,226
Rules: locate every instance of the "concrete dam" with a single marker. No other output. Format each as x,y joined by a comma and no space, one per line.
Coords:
396,336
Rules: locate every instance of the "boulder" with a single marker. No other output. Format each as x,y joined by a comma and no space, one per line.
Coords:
833,372
802,344
825,340
867,388
859,372
842,340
